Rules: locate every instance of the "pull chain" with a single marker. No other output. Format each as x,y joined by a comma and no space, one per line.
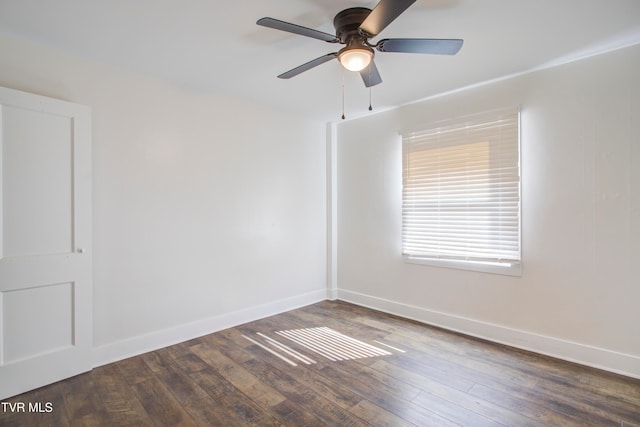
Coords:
343,117
370,87
343,94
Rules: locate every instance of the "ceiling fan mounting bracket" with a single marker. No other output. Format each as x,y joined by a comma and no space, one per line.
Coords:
347,24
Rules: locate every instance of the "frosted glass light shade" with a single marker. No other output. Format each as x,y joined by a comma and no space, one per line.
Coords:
355,59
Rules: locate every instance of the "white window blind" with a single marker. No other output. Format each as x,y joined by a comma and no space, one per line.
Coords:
461,190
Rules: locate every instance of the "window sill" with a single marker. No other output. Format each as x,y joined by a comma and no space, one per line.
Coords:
508,269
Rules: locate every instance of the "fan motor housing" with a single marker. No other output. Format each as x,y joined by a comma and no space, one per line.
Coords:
348,21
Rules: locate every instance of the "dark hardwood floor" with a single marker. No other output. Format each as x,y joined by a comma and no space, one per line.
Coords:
441,379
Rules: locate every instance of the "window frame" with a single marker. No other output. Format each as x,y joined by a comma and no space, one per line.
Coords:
495,265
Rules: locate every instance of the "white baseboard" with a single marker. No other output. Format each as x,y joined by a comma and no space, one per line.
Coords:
608,360
134,346
620,363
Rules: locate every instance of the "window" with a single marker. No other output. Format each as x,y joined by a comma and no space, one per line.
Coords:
461,193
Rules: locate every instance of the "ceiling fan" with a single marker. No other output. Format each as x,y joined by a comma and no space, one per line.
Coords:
354,27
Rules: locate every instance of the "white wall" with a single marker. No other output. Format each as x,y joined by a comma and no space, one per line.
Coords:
208,211
578,297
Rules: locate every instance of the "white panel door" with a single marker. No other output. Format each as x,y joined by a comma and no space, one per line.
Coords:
45,241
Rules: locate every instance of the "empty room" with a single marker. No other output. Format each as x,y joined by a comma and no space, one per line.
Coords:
319,212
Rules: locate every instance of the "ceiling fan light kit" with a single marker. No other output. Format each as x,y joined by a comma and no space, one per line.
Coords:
355,58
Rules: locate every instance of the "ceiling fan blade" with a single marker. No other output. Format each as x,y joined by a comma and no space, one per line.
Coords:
433,46
309,65
296,29
383,14
371,75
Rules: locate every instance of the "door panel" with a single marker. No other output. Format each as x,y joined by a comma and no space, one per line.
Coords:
28,336
37,189
45,241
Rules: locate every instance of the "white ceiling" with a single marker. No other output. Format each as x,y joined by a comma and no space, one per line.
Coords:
214,46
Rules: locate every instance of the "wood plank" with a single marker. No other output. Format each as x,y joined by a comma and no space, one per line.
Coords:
375,393
605,403
320,406
340,394
535,408
121,404
82,402
160,404
378,416
232,406
134,370
242,379
456,397
18,417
